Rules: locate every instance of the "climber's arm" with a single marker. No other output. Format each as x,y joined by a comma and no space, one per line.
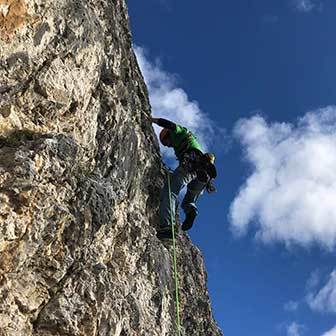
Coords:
164,123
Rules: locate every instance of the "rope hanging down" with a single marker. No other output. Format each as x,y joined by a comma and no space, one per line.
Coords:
177,300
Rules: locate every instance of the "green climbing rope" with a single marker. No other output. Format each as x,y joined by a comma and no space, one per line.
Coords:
177,300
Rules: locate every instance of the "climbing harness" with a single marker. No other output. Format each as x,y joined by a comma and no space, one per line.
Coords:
177,300
190,161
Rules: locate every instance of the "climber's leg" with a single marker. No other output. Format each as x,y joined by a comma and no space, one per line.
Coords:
178,180
195,189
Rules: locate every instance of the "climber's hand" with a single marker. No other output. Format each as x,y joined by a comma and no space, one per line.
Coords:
210,187
155,120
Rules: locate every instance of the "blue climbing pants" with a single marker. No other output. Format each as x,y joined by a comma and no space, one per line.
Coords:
179,179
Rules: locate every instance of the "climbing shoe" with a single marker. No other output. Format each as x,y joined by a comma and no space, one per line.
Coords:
189,220
164,233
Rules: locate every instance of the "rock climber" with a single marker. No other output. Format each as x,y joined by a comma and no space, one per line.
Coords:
196,170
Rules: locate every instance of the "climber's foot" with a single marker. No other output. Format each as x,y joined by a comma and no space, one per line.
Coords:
189,220
164,233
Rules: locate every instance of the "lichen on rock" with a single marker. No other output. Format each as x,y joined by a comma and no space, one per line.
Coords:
80,178
13,15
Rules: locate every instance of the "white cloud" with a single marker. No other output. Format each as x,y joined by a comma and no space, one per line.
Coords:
313,280
291,306
171,102
295,329
304,6
325,299
291,192
331,332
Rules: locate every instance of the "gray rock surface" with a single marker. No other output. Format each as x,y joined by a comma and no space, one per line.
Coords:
80,177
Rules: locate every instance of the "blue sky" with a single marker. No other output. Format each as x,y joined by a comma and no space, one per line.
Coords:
255,80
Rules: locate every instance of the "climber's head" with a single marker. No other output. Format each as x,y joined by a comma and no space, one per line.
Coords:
165,137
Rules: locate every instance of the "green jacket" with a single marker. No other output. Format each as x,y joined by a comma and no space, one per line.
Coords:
183,141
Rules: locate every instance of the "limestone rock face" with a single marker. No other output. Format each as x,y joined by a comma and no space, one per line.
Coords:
80,178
